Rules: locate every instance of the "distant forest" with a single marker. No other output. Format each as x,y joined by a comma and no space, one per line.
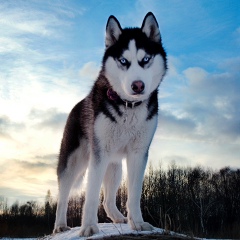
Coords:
194,201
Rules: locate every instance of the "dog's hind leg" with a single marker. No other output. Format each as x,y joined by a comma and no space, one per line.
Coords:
65,184
75,171
111,183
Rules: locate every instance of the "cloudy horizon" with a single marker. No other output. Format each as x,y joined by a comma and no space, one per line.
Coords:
51,54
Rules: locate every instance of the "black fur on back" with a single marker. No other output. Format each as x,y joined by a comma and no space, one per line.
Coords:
74,130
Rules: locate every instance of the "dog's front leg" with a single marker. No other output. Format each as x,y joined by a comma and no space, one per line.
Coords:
136,163
96,171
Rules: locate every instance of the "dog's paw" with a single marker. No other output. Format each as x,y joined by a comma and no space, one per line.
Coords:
141,226
61,229
121,220
87,231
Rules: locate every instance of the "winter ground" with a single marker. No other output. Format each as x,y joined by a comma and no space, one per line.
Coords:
108,230
105,230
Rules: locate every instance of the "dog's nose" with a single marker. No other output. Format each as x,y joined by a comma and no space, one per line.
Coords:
138,86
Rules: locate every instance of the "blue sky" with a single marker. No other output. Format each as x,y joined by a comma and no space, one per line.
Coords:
50,53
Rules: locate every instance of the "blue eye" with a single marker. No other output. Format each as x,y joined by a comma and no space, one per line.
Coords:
146,59
123,61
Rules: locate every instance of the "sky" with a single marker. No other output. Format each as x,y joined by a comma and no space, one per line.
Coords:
50,56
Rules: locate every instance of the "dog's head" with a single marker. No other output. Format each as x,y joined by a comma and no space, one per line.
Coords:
134,61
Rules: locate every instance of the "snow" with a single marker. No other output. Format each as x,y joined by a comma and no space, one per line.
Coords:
18,238
105,230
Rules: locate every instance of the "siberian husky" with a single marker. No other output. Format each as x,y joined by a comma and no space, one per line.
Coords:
116,120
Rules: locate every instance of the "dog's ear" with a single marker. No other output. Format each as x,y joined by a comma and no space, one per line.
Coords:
113,31
150,27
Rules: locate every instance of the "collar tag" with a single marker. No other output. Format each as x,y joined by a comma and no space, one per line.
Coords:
112,95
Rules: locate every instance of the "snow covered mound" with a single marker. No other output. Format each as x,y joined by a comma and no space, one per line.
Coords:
105,230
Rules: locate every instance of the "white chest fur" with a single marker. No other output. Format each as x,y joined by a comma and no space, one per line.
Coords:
131,130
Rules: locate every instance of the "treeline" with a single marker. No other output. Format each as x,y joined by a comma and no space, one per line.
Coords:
195,201
30,219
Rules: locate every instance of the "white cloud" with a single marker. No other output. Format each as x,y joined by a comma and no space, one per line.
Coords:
90,70
22,18
8,45
199,120
210,102
22,179
195,75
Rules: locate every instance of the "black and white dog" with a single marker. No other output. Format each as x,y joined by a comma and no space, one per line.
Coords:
116,120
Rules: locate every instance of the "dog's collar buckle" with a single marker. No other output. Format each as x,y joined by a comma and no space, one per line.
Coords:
131,104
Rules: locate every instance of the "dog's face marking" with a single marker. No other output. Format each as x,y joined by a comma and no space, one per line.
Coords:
135,65
133,55
135,61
